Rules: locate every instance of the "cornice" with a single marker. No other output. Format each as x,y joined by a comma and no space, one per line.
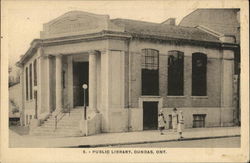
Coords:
105,34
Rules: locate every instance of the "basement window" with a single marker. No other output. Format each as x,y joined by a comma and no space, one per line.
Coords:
199,120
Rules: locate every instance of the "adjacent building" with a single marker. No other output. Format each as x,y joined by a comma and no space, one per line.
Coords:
132,69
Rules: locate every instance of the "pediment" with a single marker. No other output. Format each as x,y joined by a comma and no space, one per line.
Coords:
76,22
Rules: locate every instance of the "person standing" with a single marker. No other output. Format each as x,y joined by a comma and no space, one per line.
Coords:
174,119
180,124
161,122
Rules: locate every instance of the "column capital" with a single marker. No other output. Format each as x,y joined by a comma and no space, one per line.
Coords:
228,54
58,55
93,52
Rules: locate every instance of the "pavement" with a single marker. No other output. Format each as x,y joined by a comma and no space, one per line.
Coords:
113,139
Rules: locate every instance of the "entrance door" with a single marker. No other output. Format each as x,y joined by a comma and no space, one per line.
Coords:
80,77
150,115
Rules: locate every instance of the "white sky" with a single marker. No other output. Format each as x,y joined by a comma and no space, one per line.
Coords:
24,19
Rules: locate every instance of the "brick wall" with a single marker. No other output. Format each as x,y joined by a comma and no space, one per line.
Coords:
213,74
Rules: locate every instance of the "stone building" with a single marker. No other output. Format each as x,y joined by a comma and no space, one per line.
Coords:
132,69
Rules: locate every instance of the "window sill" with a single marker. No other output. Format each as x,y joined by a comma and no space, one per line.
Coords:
176,96
31,100
150,96
199,97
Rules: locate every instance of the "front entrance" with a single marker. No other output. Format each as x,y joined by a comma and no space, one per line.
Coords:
80,77
150,115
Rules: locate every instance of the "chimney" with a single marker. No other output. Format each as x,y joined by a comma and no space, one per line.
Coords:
169,21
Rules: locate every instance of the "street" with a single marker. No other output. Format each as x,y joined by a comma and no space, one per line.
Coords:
231,142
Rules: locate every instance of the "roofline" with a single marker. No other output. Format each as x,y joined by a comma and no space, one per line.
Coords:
210,31
36,43
188,15
207,9
69,12
105,34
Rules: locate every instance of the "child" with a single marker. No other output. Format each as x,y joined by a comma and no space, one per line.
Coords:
161,121
180,124
174,119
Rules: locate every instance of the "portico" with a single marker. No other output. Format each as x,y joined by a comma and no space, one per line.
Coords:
81,69
105,79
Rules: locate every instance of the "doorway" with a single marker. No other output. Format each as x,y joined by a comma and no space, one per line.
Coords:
150,115
80,77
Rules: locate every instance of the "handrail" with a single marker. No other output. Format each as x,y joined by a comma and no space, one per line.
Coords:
63,112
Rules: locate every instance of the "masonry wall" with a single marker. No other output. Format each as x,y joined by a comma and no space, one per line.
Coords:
29,104
213,75
209,105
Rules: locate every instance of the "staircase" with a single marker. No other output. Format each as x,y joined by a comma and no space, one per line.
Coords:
68,125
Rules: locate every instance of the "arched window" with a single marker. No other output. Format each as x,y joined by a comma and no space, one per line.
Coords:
199,74
150,72
35,73
175,73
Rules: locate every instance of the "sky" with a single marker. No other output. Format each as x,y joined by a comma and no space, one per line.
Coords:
24,20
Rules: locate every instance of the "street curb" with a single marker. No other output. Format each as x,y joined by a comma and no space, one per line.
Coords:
153,141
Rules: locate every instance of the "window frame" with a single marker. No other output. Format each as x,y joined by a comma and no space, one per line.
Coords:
27,82
199,75
31,81
150,66
174,67
199,120
35,72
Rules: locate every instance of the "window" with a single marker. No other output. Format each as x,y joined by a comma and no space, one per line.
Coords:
170,126
35,73
150,72
199,120
27,119
175,73
31,81
27,83
63,78
199,74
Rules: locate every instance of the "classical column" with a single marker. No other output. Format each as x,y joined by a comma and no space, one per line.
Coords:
58,82
70,82
93,80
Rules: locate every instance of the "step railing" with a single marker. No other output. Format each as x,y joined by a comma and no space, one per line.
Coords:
61,114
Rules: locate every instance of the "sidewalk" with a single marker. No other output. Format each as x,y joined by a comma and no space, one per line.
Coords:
112,139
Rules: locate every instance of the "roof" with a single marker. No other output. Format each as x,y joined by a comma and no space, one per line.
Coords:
164,30
224,21
133,28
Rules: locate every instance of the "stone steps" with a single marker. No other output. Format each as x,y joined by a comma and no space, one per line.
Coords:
67,126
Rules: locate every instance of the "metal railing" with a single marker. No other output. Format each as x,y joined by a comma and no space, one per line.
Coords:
61,114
